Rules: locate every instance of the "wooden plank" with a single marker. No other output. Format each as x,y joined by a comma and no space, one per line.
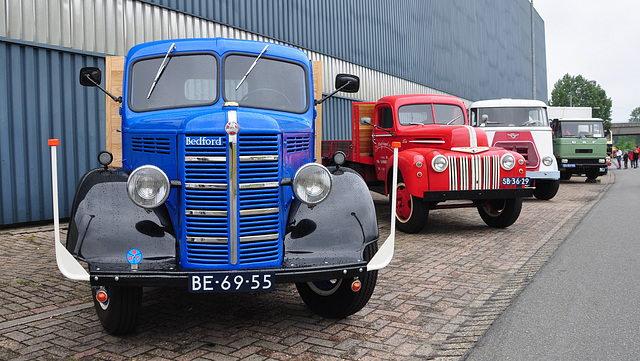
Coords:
114,71
317,89
364,143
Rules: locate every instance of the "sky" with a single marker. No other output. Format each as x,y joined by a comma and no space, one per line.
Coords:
599,40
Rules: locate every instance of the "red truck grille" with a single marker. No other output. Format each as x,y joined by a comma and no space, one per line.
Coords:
474,172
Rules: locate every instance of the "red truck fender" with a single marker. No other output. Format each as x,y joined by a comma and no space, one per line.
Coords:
407,167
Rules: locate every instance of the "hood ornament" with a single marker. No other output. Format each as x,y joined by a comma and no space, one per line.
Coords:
232,128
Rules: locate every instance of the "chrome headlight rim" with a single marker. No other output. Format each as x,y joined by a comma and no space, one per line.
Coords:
147,175
316,176
547,160
439,163
507,161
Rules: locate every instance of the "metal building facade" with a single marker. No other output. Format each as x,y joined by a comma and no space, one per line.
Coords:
43,100
469,48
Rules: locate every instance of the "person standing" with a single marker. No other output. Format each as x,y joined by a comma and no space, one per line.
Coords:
625,159
619,157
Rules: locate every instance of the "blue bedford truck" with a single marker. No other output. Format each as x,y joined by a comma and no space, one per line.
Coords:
219,190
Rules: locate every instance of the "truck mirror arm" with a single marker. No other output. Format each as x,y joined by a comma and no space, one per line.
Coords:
377,127
118,99
318,102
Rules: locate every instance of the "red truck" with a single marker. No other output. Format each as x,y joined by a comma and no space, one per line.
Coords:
443,162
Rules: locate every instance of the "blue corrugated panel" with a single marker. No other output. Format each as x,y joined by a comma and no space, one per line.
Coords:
336,119
42,100
475,49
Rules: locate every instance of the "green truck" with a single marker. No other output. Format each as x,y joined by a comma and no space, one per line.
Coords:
580,147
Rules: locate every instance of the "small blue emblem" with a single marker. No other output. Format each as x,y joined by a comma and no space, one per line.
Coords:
134,256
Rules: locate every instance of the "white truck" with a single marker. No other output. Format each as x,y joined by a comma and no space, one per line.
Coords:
522,126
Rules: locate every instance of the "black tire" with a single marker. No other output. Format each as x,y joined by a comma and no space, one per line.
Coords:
120,313
546,189
564,175
334,298
500,213
592,175
412,212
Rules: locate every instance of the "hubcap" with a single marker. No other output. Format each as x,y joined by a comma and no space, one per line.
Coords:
404,207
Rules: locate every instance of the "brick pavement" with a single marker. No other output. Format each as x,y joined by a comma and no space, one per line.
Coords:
441,292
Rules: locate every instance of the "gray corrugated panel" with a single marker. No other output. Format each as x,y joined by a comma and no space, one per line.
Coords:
45,101
472,48
336,118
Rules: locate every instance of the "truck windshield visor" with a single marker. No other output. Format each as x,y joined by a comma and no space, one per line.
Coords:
271,84
583,129
510,117
186,81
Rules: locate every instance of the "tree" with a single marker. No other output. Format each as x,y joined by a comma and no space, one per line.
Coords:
635,116
577,91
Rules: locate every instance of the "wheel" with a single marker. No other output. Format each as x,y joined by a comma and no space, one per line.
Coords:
564,175
500,213
120,311
266,97
592,175
335,298
546,189
411,212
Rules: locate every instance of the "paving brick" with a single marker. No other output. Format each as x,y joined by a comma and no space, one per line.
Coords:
442,291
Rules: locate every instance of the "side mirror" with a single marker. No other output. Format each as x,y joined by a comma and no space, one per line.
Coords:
365,121
344,83
347,83
90,76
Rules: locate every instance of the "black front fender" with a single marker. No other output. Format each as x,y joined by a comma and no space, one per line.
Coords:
335,231
105,225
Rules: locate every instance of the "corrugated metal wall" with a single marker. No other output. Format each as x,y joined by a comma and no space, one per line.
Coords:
475,49
469,48
45,101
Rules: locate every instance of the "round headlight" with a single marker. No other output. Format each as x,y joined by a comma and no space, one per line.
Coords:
312,183
148,186
105,158
547,161
339,158
439,163
508,161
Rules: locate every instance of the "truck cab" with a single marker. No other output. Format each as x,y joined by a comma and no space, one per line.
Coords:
522,126
219,190
580,146
443,162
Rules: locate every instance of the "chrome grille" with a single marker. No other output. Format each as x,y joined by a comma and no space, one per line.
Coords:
474,172
208,184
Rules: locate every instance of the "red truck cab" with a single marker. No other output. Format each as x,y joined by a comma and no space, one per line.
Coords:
443,162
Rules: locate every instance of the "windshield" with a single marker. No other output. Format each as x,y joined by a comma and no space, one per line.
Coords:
419,114
510,117
271,84
186,81
581,129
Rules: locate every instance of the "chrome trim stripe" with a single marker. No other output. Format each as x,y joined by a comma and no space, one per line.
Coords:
427,141
216,240
258,158
196,212
253,212
263,237
221,186
205,159
232,117
259,185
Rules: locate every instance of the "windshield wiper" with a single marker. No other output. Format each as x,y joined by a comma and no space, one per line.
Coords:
453,120
161,68
252,65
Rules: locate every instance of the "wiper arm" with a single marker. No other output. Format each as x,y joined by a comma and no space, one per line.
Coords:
453,120
252,65
161,68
